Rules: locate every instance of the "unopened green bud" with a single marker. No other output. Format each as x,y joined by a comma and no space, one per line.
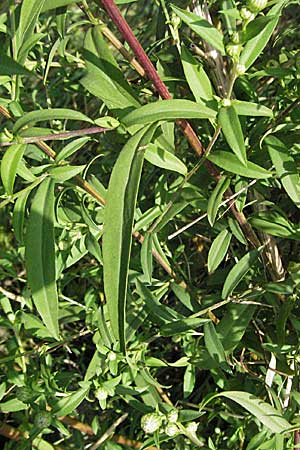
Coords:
192,427
24,394
42,419
246,14
101,394
233,50
172,416
240,69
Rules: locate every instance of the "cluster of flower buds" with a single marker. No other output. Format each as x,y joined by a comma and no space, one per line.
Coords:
168,424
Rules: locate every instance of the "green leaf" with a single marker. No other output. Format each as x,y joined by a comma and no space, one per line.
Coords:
231,163
160,157
265,413
10,67
189,380
64,173
201,27
12,405
251,109
19,216
71,148
68,404
9,166
104,78
273,223
285,167
256,44
40,255
218,250
168,110
238,272
182,326
216,198
214,346
118,222
146,257
196,77
53,4
49,114
232,131
30,11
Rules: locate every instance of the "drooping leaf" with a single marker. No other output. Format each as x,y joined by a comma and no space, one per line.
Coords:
214,346
68,404
216,198
10,67
146,256
238,272
196,77
9,166
231,163
218,250
274,223
251,109
168,110
202,27
265,413
285,167
257,43
49,114
71,148
118,223
40,255
232,131
162,158
65,172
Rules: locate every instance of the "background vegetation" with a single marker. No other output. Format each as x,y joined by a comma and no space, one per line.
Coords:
149,214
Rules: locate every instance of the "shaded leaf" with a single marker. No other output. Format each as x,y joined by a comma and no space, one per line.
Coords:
146,257
251,109
168,110
9,166
238,272
118,223
265,413
232,131
64,173
40,255
68,404
218,250
19,216
231,163
162,158
216,198
214,346
10,67
71,148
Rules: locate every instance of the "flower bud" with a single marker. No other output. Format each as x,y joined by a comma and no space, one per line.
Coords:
192,427
151,422
111,356
172,416
246,14
171,429
101,393
233,50
256,5
42,419
240,69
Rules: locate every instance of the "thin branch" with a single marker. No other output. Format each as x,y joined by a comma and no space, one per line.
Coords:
109,431
57,136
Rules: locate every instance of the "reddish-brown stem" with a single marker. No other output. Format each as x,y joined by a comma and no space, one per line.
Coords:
58,136
150,70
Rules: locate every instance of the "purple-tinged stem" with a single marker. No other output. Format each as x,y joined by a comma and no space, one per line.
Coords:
150,70
57,136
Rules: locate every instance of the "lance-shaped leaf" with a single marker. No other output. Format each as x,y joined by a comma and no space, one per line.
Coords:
218,250
68,404
40,255
238,272
11,67
214,346
285,167
232,131
118,223
160,157
202,27
251,109
216,198
9,166
49,114
230,162
265,413
168,110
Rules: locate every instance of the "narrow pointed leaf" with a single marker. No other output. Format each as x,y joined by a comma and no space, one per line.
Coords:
265,413
40,255
214,346
238,272
162,158
168,110
216,198
118,223
19,216
196,77
68,404
232,131
10,67
146,256
9,166
49,114
251,109
65,172
231,163
71,148
218,250
202,27
285,167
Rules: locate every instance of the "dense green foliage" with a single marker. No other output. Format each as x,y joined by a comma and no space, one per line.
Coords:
149,256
